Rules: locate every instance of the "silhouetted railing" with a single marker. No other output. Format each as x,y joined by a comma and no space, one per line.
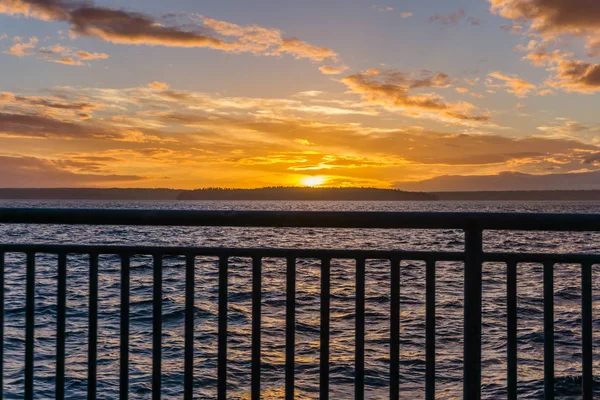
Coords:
473,256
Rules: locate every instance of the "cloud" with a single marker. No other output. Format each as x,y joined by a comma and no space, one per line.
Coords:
158,85
84,55
576,76
515,29
37,126
394,89
124,27
26,171
515,85
56,53
552,16
545,92
406,14
550,20
507,180
21,49
474,21
570,74
3,36
593,47
10,99
68,61
237,140
383,9
447,19
332,69
301,49
564,128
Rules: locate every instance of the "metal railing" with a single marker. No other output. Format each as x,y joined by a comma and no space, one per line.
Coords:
473,256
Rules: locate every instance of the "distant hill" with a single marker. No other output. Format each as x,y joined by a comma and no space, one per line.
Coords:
523,195
304,193
506,181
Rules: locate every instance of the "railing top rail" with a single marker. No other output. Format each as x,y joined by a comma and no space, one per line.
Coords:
305,219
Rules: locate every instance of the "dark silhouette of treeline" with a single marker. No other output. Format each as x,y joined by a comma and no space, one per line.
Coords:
304,193
290,193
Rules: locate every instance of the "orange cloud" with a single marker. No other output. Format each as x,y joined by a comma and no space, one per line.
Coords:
551,19
21,49
576,76
332,69
301,49
517,86
393,89
118,26
552,16
158,85
68,61
84,55
28,171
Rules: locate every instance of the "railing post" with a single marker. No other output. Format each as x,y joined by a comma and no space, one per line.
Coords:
472,322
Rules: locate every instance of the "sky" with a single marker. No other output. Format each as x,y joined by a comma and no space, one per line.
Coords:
417,95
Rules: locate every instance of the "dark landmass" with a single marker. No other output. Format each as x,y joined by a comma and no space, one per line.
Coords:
292,193
523,195
273,193
88,194
305,193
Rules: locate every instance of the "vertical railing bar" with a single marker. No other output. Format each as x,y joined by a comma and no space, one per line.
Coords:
324,337
29,325
290,329
189,326
395,330
222,334
61,315
124,345
359,332
472,314
549,331
586,332
511,330
430,330
93,326
157,328
1,325
256,324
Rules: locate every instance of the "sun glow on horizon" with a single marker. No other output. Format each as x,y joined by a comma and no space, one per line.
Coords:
313,181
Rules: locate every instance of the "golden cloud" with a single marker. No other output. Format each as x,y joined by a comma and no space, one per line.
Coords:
515,85
28,171
158,85
84,55
551,19
552,16
393,89
118,26
68,61
21,49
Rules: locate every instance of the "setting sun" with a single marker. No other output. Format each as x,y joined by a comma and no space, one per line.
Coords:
313,180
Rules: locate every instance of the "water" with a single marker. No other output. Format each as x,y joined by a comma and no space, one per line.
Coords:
449,305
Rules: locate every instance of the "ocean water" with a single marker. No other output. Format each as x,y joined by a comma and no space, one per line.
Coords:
449,304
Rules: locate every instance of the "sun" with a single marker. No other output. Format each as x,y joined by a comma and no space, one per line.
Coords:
313,181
